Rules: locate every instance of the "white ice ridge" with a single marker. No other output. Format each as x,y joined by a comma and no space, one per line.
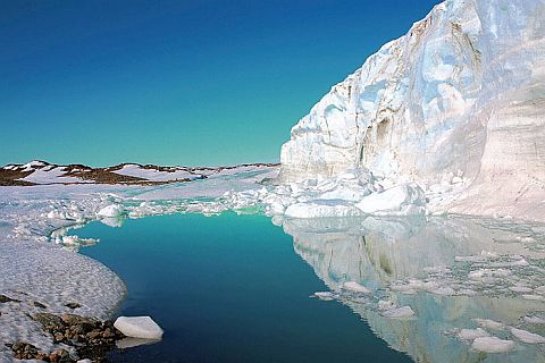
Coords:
456,105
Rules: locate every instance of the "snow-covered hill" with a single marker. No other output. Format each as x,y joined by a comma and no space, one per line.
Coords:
41,172
456,105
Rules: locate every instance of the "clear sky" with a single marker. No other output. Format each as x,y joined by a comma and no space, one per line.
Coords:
188,82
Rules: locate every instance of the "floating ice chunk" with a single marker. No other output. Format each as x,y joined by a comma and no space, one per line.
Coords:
111,211
138,327
489,324
492,345
540,290
325,295
392,200
402,312
471,334
353,286
527,337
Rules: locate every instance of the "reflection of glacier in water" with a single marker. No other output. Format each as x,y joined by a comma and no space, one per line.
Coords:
476,287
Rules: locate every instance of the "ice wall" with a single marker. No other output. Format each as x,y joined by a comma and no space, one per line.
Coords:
462,94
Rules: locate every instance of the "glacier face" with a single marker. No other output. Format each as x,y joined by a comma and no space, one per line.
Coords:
461,95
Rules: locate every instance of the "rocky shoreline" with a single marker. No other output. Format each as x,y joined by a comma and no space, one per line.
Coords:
76,338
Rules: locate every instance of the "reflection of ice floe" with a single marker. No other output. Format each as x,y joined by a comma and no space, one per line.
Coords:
427,278
127,343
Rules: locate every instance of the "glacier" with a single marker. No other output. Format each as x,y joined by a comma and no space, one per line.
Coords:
457,105
444,121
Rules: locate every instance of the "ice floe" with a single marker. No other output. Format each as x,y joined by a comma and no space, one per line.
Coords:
142,327
527,337
492,345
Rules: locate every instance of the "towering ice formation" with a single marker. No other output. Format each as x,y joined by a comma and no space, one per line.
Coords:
461,96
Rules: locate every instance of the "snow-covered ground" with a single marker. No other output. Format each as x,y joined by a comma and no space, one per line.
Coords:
38,263
51,175
44,173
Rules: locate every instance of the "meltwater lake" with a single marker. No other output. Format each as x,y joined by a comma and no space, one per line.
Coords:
229,288
238,288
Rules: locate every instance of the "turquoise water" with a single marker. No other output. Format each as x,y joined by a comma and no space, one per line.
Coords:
228,289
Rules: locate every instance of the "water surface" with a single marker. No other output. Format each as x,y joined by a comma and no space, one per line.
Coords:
229,289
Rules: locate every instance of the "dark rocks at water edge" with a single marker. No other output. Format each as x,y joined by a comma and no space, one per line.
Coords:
28,351
5,299
92,339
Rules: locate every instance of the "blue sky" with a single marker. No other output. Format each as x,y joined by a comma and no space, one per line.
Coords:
204,82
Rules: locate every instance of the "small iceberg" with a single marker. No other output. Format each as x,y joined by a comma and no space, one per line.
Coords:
492,345
325,295
527,337
142,327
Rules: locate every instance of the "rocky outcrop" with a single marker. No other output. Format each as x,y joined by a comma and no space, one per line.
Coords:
460,96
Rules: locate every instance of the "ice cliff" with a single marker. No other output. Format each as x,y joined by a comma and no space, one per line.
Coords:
457,105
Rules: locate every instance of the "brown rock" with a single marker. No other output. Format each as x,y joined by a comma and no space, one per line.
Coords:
94,334
73,305
5,299
39,305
